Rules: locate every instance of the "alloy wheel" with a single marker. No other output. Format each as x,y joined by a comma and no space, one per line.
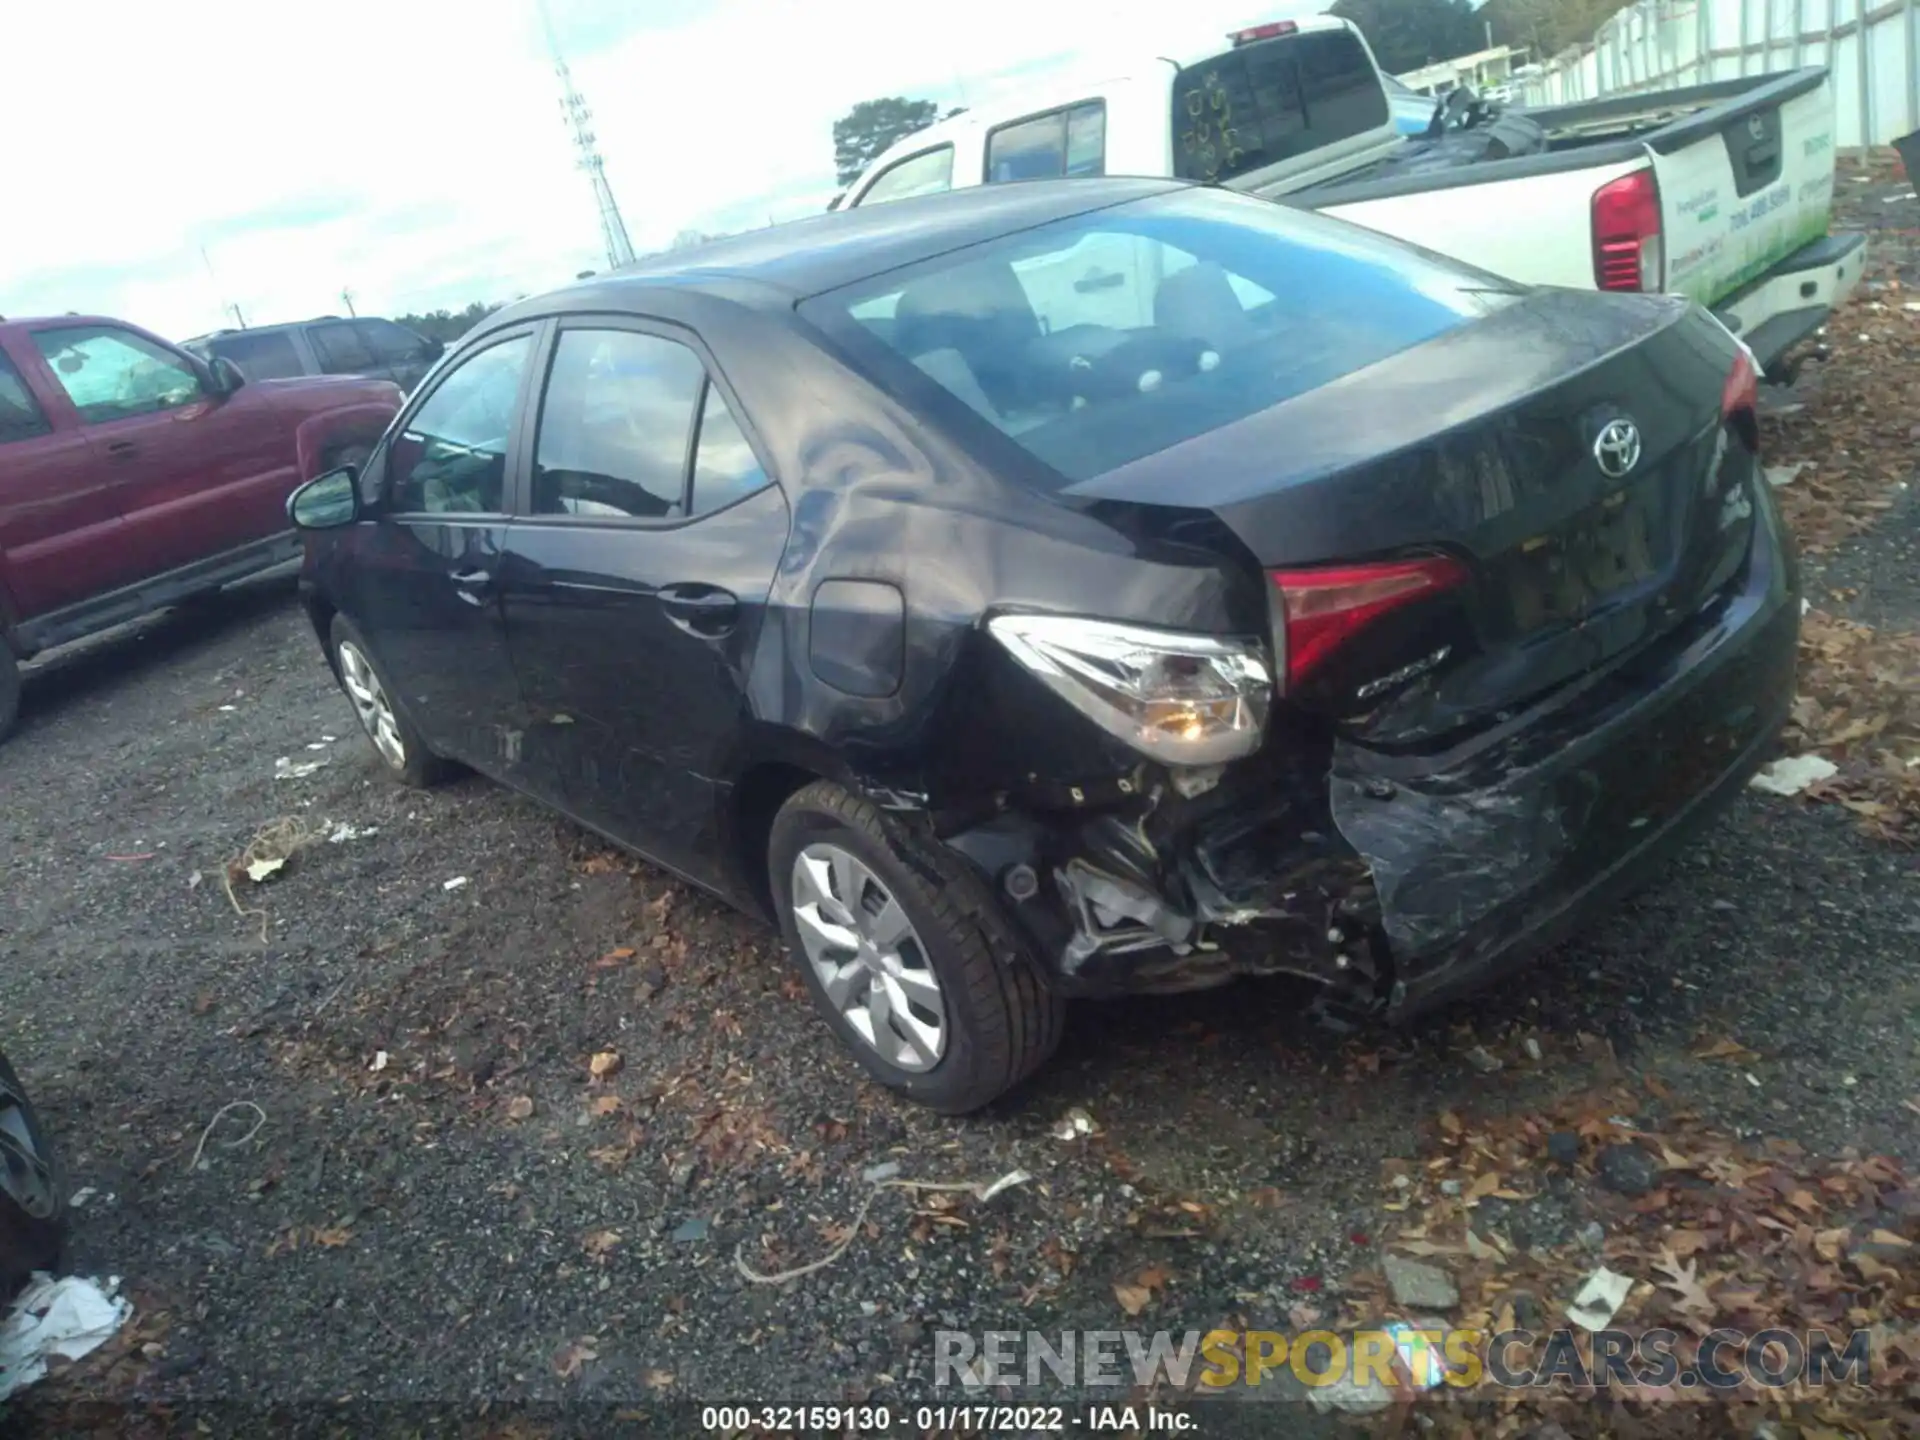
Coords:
868,958
370,703
26,1176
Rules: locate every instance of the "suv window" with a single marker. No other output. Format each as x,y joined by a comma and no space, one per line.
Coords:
1063,142
724,466
1272,100
390,344
111,373
20,414
341,350
925,174
614,426
452,457
269,355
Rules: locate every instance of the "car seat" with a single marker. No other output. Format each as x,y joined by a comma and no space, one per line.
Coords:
979,311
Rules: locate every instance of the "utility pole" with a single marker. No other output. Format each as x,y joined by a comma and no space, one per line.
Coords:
613,229
346,299
226,307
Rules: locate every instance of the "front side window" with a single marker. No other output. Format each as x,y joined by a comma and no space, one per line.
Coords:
452,457
267,356
1097,340
1072,141
20,414
110,373
927,174
341,349
615,425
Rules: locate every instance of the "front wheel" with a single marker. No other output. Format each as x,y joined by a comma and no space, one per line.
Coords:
903,965
394,738
32,1189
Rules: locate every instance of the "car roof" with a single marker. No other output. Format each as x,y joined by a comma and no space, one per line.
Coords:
780,264
1085,81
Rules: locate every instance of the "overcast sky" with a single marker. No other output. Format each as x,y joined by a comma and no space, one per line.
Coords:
414,150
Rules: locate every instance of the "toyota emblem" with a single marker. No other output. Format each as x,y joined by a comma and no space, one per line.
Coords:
1616,449
1756,128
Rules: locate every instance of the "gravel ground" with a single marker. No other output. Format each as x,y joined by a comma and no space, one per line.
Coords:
443,1203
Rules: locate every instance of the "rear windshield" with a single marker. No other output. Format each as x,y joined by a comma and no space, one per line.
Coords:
1259,104
1094,341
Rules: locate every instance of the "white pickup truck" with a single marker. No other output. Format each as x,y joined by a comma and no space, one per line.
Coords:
1721,192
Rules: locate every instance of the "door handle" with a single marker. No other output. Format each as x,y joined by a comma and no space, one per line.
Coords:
704,610
123,449
472,584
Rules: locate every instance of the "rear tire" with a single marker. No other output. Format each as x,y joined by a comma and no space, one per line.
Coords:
402,752
929,989
9,688
33,1189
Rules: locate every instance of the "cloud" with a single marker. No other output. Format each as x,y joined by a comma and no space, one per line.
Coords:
414,150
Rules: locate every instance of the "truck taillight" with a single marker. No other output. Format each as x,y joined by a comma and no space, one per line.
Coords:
1271,31
1317,611
1627,249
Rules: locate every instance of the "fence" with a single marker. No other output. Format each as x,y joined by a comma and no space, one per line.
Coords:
1871,51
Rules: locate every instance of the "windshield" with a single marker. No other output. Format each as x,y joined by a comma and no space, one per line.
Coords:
1094,341
1257,105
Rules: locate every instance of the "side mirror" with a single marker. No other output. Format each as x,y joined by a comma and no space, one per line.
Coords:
434,349
327,501
226,375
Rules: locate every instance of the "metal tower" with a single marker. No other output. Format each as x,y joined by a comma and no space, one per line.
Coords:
613,230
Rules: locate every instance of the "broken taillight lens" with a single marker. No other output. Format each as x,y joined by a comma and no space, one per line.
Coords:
1319,611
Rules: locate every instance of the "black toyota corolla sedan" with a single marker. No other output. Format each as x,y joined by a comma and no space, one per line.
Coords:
1084,587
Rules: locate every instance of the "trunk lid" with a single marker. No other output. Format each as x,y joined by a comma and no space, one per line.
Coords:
1569,451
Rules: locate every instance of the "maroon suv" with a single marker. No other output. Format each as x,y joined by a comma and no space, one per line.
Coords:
134,475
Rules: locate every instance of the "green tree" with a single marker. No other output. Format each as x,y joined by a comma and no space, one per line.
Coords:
871,126
447,326
1546,27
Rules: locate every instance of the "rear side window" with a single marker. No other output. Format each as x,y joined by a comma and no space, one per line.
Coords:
341,349
1259,104
20,414
724,466
269,356
1072,141
1094,341
615,426
390,344
927,174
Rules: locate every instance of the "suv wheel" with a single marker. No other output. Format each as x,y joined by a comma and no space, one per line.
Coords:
903,956
395,741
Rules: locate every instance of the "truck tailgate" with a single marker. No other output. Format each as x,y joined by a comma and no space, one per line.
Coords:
1742,188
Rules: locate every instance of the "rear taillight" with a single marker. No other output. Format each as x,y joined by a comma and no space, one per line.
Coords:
1272,31
1740,398
1322,609
1627,249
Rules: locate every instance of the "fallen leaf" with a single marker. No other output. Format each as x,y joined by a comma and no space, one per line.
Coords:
1724,1049
333,1237
569,1358
605,1104
520,1107
1482,1187
605,1063
657,1379
1684,1282
1133,1298
601,1242
1887,1237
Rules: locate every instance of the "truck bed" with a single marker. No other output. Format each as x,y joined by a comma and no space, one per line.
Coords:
1570,137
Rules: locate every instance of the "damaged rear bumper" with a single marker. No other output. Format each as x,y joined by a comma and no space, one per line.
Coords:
1401,882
